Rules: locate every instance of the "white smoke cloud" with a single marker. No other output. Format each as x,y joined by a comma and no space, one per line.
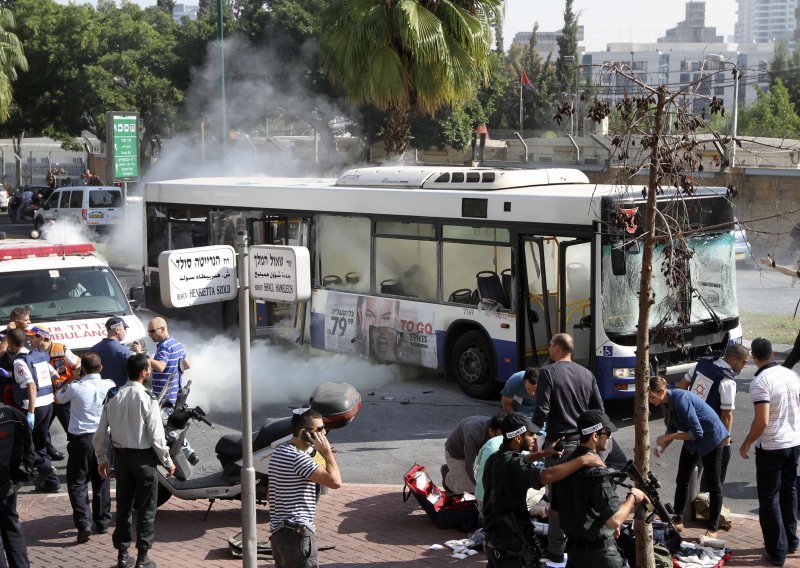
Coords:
279,373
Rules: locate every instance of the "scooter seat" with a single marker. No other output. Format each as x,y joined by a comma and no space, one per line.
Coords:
230,445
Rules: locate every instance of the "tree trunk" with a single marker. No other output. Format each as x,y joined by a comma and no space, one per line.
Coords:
397,134
641,452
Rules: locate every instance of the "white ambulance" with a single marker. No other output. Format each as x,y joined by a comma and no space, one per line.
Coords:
69,288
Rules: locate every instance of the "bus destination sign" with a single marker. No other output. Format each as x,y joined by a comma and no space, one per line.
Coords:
202,275
280,273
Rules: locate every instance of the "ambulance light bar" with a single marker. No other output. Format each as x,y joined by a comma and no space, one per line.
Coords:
43,251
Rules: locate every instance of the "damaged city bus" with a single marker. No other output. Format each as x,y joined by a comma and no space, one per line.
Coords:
466,270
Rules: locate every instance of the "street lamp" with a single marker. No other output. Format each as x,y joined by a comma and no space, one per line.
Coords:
737,73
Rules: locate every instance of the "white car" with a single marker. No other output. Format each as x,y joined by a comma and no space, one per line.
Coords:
69,288
3,199
96,206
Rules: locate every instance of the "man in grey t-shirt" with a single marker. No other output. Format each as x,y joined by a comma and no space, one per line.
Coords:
461,449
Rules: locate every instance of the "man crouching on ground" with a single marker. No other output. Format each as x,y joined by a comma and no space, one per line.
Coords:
293,493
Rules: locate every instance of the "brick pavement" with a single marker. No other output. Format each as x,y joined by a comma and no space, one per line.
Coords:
370,525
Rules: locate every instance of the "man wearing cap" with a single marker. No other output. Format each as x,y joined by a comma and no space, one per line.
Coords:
66,364
113,353
586,502
507,476
33,394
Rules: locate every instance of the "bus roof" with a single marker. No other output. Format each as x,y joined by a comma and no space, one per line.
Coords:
551,196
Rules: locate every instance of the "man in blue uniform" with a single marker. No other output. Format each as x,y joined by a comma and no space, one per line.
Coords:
113,354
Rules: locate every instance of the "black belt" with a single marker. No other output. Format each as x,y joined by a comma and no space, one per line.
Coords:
131,450
74,436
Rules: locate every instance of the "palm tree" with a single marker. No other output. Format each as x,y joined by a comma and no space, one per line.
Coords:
404,56
12,58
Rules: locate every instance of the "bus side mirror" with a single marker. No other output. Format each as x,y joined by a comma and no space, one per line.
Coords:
618,267
619,250
136,296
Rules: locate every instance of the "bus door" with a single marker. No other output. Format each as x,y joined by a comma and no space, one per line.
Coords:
278,318
535,301
575,284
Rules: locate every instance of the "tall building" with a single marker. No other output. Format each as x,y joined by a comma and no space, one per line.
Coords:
547,42
763,21
693,29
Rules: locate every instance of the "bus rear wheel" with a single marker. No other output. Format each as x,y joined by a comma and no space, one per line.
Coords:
471,365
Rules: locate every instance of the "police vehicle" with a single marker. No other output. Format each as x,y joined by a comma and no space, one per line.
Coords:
68,287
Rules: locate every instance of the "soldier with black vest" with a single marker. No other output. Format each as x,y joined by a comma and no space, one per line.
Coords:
507,476
587,504
712,379
16,459
33,394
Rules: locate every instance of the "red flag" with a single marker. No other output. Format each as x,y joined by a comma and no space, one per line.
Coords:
526,83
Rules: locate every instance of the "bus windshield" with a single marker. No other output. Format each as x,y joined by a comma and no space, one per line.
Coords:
712,279
52,295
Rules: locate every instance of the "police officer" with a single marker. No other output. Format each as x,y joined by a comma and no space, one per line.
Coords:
712,379
66,364
16,458
587,503
33,393
507,476
132,417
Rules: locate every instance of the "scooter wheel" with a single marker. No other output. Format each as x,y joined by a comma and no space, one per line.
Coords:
34,234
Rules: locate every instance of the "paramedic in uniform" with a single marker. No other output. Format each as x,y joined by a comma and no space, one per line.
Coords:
33,394
712,379
590,513
507,476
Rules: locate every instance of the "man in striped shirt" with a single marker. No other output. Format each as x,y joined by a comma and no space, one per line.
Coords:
166,363
293,474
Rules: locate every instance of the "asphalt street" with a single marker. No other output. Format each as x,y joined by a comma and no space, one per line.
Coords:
408,413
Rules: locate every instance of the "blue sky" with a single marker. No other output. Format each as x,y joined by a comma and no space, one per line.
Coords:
604,21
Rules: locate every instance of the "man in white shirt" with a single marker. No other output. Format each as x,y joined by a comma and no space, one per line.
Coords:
775,392
133,418
86,397
33,394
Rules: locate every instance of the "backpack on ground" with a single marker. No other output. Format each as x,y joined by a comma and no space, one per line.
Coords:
447,511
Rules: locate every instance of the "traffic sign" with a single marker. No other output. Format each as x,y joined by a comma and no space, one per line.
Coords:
202,275
122,137
280,273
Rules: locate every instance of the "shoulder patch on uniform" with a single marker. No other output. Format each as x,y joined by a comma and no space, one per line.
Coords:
112,392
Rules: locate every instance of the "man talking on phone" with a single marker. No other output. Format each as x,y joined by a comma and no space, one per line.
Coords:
293,476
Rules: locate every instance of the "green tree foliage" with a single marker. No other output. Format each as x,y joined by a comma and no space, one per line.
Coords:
12,58
567,47
772,114
408,56
786,67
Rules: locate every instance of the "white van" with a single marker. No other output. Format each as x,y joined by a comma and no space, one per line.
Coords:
96,206
69,288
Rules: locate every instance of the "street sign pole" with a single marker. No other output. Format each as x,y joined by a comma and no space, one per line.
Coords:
248,472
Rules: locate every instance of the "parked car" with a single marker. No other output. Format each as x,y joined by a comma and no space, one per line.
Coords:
741,247
4,196
98,206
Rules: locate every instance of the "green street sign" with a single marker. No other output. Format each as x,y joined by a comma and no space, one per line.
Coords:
123,145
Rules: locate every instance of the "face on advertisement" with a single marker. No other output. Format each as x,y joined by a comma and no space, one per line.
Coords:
381,314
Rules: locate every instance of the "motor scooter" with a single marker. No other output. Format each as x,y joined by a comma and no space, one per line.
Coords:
28,214
337,402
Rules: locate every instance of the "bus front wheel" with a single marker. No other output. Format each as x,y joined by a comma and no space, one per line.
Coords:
472,366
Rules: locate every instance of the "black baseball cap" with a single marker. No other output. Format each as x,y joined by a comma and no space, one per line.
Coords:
516,424
592,421
114,322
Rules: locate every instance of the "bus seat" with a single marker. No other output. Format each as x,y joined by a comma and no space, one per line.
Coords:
505,277
475,299
352,278
331,280
461,296
391,286
490,288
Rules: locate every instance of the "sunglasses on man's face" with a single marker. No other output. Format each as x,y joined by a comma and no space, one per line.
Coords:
317,430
